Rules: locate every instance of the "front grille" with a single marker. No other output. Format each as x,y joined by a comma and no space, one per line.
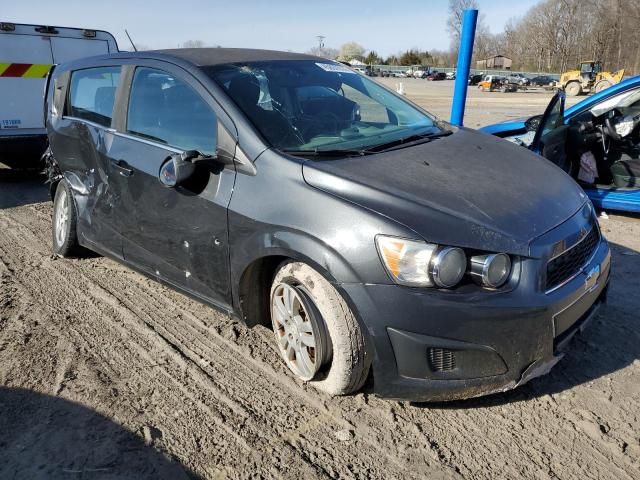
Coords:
441,359
569,263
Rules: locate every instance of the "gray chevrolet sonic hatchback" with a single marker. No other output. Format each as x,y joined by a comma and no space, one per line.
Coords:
289,190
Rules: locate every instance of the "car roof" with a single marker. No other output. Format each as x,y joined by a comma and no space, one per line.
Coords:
205,57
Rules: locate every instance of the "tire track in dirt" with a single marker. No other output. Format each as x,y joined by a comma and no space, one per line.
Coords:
123,366
533,432
316,446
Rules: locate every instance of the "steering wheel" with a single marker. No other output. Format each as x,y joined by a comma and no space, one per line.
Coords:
612,121
610,127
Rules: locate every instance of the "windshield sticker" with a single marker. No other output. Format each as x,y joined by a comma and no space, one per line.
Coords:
335,68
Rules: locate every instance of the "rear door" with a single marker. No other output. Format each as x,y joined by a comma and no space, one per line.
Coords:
177,234
81,141
24,62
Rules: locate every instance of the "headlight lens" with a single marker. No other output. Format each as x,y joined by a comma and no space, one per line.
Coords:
448,267
407,261
491,270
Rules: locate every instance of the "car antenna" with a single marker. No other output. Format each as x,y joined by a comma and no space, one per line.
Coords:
129,37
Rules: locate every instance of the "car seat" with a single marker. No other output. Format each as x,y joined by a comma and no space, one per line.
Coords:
626,173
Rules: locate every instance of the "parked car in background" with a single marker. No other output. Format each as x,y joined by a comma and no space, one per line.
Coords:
605,127
437,76
400,74
27,53
451,75
420,73
542,81
476,78
461,279
492,83
519,79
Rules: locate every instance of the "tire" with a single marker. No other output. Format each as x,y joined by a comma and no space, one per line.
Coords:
342,360
602,85
65,217
573,89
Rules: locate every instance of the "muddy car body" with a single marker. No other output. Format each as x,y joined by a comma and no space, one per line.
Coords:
375,240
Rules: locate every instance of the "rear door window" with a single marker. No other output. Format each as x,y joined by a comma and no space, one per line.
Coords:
165,109
92,94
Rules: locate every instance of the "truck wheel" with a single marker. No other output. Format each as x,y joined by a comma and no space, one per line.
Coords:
316,332
65,238
602,85
573,89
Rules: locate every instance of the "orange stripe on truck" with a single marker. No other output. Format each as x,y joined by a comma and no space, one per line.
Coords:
24,70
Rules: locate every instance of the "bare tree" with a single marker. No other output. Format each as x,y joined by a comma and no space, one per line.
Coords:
324,52
193,44
456,12
556,35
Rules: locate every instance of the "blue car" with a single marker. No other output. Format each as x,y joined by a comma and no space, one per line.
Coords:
597,142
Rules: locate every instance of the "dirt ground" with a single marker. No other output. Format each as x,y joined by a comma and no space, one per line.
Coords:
105,374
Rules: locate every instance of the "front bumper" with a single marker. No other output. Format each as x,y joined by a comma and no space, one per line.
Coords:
433,346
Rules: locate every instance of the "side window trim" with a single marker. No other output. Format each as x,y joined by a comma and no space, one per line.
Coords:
122,99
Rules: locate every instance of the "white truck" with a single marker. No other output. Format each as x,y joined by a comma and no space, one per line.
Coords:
27,53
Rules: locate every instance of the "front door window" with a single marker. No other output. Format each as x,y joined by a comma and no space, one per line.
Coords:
167,110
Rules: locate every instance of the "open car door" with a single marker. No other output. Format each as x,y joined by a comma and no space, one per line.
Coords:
550,139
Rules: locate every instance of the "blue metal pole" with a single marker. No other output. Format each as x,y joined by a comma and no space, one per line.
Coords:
465,52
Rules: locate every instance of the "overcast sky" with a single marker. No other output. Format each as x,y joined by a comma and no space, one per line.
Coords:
385,26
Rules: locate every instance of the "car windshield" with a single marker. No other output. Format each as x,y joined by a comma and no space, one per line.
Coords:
316,106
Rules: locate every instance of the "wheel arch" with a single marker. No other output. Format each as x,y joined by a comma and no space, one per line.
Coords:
253,275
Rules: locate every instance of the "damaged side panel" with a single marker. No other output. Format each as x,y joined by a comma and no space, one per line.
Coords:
81,150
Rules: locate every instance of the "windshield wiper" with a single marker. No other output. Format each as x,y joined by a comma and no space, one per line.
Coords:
383,147
329,153
409,141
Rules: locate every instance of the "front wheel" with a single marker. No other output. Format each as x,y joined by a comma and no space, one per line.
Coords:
316,332
573,89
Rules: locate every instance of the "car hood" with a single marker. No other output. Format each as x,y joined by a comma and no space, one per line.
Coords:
468,189
506,126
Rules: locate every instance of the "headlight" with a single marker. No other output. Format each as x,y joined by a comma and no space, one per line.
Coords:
491,270
419,264
448,267
407,261
415,263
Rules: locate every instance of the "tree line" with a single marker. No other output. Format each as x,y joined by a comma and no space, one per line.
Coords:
552,36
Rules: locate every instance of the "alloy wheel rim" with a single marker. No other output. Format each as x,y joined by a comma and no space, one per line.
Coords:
62,218
297,333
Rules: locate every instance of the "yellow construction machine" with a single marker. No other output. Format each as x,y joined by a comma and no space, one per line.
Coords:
588,78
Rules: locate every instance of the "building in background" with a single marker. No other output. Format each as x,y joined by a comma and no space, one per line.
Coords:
496,62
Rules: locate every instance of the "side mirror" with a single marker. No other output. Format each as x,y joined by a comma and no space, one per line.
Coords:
176,170
532,124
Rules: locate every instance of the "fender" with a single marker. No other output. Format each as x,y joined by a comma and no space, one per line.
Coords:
255,260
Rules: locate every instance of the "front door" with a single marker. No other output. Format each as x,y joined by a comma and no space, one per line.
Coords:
550,139
177,234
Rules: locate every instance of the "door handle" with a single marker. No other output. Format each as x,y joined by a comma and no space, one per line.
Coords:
123,167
